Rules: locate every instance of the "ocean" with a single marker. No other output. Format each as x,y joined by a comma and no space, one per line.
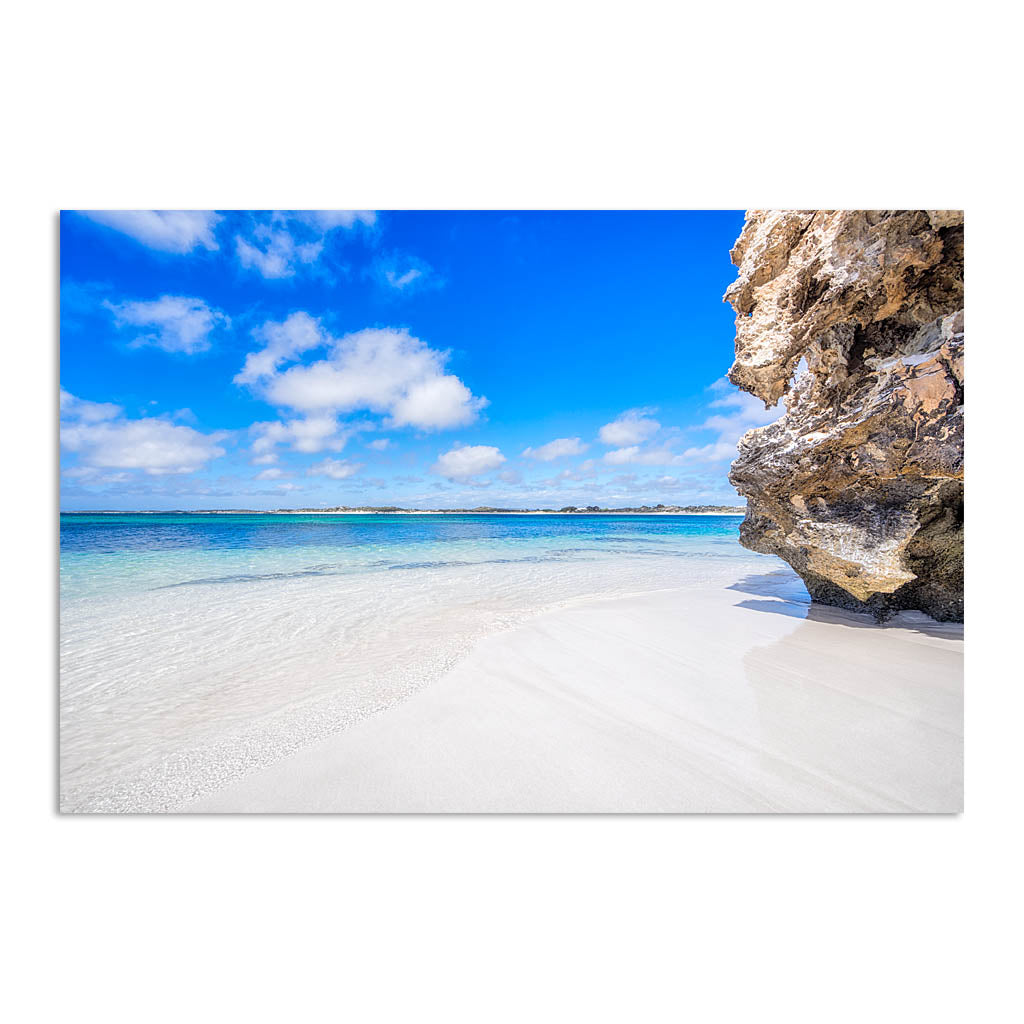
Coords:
198,647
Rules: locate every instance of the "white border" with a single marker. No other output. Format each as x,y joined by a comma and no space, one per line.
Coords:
532,106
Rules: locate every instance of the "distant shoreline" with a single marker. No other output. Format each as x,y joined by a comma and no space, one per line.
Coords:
724,510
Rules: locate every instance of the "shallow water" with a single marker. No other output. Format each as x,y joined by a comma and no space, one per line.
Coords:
196,648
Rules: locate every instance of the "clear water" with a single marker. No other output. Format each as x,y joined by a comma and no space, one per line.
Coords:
196,648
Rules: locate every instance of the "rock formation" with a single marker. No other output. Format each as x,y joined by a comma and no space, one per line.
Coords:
855,319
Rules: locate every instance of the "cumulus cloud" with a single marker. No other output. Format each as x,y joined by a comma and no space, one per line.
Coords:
336,469
177,231
632,427
435,403
557,449
177,323
103,438
381,370
379,445
461,464
72,408
283,342
306,434
635,455
278,243
275,253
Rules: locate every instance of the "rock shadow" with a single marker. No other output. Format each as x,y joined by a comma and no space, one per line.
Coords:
782,593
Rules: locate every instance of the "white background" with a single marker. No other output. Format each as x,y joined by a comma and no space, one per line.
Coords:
524,105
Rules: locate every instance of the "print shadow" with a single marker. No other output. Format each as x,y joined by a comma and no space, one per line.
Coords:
54,550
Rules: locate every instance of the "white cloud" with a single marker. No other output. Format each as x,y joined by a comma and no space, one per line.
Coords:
585,472
401,281
403,273
435,403
270,474
382,370
461,464
275,254
380,444
622,456
742,411
277,244
716,451
557,449
86,412
103,440
747,412
178,231
283,342
635,455
308,434
328,220
94,475
179,324
632,427
336,469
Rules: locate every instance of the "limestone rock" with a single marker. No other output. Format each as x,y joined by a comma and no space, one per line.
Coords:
855,320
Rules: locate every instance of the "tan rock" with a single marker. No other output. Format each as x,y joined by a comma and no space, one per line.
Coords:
859,486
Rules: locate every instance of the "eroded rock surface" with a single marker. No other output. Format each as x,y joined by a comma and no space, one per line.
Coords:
855,320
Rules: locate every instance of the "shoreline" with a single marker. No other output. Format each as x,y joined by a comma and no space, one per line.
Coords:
366,512
734,697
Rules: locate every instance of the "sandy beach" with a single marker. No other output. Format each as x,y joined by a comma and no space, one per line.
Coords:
740,697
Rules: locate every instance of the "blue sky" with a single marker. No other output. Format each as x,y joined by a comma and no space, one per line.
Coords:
433,359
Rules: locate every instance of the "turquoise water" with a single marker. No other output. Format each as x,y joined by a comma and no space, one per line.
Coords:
198,647
114,553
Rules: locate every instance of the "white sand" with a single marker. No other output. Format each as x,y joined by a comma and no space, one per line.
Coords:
743,698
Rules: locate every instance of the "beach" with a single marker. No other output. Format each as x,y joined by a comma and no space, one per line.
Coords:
482,663
734,698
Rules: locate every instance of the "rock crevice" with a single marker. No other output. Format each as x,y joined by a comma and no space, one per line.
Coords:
855,320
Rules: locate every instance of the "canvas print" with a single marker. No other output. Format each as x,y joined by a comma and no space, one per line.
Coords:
509,512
